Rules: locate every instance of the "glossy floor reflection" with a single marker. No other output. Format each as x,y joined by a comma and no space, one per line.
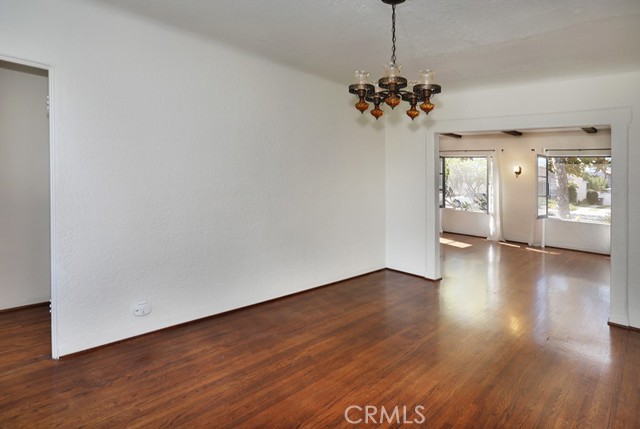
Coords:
510,338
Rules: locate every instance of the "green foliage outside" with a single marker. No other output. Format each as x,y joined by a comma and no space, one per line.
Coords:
592,197
596,183
482,201
573,193
577,165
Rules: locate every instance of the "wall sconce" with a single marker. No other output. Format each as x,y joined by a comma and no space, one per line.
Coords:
517,170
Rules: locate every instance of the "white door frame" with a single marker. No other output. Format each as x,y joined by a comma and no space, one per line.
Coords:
54,312
618,119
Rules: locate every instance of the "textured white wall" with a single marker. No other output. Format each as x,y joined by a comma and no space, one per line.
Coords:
518,194
25,273
190,174
461,222
548,102
405,205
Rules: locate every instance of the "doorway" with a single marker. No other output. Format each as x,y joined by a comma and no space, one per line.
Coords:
617,120
25,186
526,207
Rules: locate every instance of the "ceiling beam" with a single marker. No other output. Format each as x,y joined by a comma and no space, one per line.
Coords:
513,133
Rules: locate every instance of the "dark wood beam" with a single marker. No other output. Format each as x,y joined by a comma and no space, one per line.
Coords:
454,135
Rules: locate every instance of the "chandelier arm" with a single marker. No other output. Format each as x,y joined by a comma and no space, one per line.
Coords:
371,97
408,95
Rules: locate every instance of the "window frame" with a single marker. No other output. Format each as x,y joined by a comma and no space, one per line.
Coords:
546,186
442,184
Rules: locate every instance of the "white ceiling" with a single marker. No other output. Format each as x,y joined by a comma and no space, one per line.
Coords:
472,42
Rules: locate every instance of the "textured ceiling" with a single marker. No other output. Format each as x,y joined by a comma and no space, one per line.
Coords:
468,42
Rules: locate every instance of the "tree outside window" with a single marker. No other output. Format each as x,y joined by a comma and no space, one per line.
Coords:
580,188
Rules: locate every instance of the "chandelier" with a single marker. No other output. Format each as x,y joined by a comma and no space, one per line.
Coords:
390,89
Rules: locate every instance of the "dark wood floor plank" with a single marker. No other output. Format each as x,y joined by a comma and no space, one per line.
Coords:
512,337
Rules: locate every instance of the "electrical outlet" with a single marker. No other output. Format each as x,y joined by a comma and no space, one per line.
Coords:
142,308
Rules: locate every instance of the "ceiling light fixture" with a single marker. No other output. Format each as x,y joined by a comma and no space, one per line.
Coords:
390,86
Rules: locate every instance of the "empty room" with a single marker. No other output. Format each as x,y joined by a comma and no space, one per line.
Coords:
308,214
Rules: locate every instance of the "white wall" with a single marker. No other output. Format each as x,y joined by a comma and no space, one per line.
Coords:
463,222
190,174
519,194
25,273
405,205
551,103
588,237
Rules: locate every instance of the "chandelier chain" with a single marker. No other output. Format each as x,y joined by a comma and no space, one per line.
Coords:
393,34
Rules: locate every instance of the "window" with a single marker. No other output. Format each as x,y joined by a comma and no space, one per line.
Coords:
580,188
464,183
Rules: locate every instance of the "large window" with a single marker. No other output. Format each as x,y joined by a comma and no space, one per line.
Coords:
464,183
580,188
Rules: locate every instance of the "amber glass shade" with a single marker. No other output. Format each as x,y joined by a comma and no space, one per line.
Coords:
362,105
427,106
377,112
413,112
392,100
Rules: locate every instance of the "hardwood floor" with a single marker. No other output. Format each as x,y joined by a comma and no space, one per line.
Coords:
510,338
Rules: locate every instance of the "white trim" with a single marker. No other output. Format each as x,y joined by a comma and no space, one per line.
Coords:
54,288
467,153
432,207
52,210
584,152
618,119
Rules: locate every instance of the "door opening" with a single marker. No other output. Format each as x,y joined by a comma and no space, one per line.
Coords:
25,187
617,120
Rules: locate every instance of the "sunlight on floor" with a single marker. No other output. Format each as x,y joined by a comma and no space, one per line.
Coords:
549,252
515,324
454,243
502,243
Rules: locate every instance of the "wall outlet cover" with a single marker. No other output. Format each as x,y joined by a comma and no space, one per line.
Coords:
142,308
